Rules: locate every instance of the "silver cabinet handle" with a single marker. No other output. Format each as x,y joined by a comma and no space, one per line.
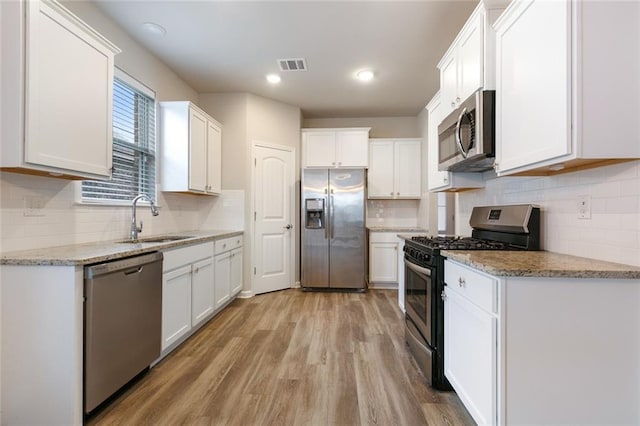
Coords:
453,104
289,226
462,282
443,296
458,99
397,193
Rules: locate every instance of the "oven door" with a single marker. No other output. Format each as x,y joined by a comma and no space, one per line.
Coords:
418,298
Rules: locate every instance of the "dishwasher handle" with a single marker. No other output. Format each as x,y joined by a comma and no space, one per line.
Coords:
129,265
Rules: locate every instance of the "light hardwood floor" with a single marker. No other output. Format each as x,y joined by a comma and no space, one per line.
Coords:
291,358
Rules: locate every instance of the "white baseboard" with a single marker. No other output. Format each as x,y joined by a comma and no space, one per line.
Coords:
245,294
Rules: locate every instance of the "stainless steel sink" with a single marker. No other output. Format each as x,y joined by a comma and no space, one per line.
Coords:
158,239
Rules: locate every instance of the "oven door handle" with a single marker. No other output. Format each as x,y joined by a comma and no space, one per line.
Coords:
417,269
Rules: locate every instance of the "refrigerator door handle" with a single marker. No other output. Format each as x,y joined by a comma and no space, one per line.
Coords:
326,212
332,214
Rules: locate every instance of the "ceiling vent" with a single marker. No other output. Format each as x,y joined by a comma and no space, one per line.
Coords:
298,64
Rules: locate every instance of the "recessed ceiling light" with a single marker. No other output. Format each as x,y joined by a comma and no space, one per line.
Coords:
154,29
273,78
365,75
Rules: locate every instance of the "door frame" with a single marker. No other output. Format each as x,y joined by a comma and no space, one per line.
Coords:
292,211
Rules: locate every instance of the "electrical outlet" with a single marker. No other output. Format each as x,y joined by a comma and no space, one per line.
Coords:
33,206
584,207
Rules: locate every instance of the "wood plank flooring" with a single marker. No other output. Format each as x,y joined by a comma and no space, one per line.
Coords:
291,358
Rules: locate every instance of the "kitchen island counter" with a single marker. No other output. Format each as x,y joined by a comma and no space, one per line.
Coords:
541,264
89,253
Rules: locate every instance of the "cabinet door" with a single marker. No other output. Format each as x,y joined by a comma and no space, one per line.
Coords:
533,87
407,169
352,148
197,151
318,149
437,179
383,262
236,271
470,364
176,305
223,278
202,299
470,58
214,158
380,175
69,92
449,83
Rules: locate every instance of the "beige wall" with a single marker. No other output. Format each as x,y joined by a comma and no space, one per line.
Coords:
230,109
246,119
381,127
134,59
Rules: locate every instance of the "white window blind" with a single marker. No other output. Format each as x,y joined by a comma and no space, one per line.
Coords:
134,148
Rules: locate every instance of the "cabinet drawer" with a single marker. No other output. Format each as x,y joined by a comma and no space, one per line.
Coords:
472,285
383,237
185,255
227,244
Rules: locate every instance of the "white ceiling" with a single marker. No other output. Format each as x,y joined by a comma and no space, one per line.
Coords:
229,46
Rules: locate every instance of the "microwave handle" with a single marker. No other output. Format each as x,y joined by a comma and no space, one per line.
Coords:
458,138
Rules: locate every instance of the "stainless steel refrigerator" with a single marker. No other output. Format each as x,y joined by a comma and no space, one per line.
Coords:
333,228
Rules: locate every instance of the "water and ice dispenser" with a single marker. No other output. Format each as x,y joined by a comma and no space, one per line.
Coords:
314,208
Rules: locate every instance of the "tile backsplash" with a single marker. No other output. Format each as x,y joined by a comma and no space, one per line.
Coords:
392,213
613,231
40,212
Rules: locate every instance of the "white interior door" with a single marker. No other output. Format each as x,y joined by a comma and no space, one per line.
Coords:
273,228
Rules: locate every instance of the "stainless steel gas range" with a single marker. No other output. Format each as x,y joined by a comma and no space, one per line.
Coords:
512,227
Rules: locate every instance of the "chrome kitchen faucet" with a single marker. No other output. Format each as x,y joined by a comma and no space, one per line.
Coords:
134,226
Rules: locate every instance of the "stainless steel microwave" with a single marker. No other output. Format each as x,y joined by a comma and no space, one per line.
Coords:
466,138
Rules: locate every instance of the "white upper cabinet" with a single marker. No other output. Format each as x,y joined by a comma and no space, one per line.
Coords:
444,180
191,149
57,92
469,63
394,168
567,86
335,147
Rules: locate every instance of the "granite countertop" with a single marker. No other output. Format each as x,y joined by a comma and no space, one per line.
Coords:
88,253
389,228
540,264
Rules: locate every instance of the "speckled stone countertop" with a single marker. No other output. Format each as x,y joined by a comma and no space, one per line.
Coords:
85,254
396,229
540,264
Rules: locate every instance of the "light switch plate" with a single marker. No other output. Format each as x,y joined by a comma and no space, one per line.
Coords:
584,207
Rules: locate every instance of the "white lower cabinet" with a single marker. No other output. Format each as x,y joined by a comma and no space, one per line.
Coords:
532,350
223,278
176,305
471,325
236,271
187,290
383,257
202,285
228,269
470,355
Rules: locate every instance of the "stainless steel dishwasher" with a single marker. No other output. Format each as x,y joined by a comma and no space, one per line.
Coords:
122,323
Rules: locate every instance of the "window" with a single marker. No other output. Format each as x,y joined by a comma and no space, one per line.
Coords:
134,146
